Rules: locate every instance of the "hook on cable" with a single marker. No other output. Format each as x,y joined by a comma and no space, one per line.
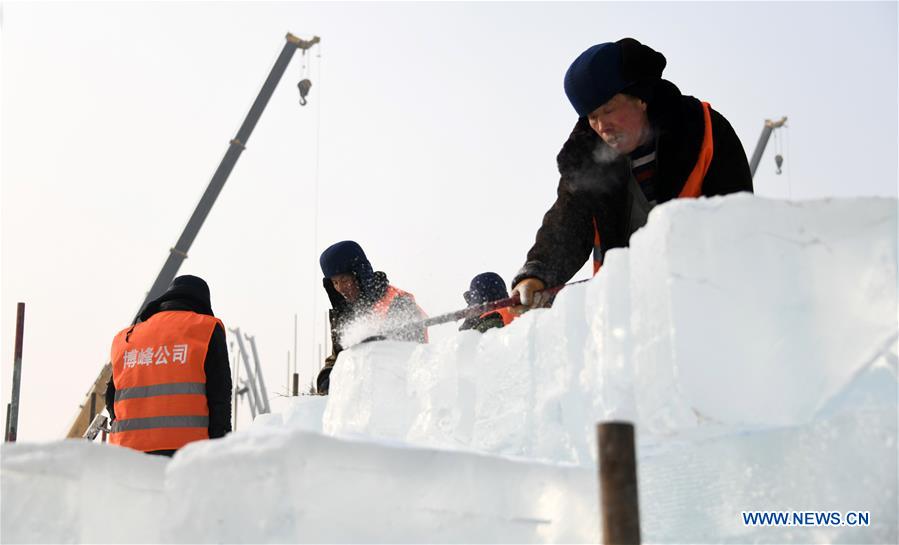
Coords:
304,85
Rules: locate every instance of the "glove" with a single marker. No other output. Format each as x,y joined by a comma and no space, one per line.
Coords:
323,381
530,291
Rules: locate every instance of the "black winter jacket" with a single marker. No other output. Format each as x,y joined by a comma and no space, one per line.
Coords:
216,366
595,183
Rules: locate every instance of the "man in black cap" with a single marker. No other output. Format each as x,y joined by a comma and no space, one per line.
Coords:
486,288
638,142
171,378
357,291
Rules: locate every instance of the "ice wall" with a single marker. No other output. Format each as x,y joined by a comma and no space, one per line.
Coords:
752,342
282,484
694,489
273,486
725,314
79,492
279,482
755,312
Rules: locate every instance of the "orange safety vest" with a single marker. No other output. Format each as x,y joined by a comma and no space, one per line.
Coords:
383,305
504,313
692,188
160,382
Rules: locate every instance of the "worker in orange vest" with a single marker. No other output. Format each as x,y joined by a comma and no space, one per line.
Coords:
486,288
638,142
356,292
171,379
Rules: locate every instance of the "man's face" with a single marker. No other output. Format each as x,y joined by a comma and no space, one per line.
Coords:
621,123
346,285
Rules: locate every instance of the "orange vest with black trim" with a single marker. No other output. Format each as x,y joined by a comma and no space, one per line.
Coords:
160,381
504,313
692,187
383,305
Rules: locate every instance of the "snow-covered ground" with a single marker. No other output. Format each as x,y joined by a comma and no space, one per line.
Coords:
752,342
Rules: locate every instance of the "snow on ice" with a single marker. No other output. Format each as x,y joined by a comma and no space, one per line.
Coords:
752,342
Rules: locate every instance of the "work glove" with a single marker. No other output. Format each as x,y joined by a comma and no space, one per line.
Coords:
323,381
530,291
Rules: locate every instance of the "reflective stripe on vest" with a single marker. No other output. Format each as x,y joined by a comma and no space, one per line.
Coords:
161,390
597,249
160,380
692,187
160,422
383,305
504,313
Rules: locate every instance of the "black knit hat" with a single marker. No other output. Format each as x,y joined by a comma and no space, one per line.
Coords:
606,69
345,257
484,288
190,286
192,290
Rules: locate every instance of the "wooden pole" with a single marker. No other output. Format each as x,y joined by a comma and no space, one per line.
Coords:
294,350
12,428
93,405
235,384
618,483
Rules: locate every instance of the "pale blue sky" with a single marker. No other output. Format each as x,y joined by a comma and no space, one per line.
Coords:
434,126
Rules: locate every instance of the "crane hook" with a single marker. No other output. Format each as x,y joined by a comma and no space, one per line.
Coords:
304,85
779,160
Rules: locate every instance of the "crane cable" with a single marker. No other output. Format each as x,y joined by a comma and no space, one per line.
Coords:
789,168
305,84
315,202
779,143
778,152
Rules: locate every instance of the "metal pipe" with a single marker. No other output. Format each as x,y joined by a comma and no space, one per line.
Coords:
247,392
620,514
759,149
255,406
235,385
264,406
12,428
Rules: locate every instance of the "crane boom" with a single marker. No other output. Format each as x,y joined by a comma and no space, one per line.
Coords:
763,141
